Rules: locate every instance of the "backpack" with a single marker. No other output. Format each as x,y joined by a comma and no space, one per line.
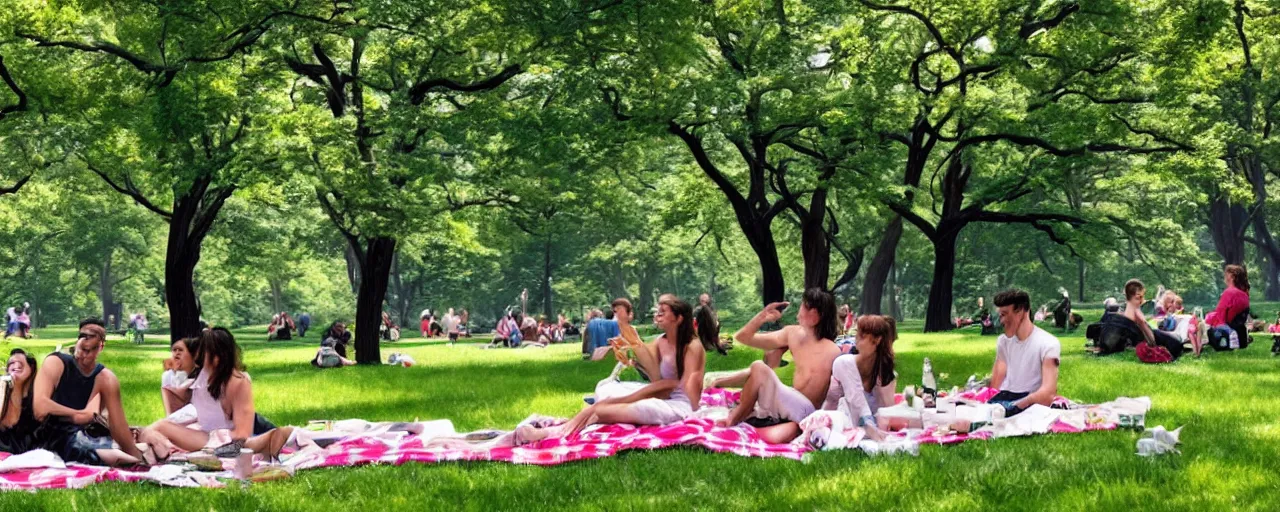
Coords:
327,357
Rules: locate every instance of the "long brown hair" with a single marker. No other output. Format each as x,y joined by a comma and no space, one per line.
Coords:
1239,277
220,343
886,328
684,331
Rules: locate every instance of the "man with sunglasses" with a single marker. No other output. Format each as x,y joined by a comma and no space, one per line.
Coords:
72,389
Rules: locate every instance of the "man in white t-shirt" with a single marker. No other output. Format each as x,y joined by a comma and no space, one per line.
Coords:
1027,357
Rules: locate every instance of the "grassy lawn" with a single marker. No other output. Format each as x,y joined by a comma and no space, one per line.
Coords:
1226,401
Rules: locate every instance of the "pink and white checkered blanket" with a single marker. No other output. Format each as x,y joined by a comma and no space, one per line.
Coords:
400,447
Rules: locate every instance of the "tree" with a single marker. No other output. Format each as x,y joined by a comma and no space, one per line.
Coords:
989,153
169,88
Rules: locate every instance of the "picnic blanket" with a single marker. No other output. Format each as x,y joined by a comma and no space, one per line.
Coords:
358,442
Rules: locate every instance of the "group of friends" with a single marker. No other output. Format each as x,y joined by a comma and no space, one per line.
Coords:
70,404
1025,369
1171,330
453,325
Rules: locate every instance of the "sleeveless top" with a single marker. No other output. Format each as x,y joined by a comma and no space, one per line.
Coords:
667,370
74,388
209,411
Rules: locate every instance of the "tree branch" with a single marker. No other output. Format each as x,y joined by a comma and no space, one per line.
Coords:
419,91
21,105
127,188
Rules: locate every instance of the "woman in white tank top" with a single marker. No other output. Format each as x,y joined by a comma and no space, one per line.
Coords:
223,398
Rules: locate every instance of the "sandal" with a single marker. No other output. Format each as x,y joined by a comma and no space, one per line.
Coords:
229,450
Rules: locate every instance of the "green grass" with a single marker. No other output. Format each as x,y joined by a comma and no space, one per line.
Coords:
1226,402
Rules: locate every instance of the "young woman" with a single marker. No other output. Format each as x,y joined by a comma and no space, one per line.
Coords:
222,395
669,399
17,419
1234,300
175,387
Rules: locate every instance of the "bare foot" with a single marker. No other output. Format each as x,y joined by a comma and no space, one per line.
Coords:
526,434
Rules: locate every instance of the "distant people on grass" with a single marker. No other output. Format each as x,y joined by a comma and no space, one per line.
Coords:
138,324
19,321
339,335
1154,346
450,322
304,324
424,322
388,329
974,317
598,332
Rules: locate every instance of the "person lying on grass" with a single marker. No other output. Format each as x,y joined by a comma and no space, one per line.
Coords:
671,398
1027,357
72,392
222,397
766,401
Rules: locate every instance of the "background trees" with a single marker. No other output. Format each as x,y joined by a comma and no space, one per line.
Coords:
352,157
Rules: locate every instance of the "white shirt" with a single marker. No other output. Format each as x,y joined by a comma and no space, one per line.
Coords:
1023,359
450,323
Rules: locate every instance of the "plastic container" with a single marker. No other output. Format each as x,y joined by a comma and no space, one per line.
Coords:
244,464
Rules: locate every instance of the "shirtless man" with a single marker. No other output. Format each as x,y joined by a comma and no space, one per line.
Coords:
765,399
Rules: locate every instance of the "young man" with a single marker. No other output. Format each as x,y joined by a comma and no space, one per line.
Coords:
764,397
71,390
1027,357
646,357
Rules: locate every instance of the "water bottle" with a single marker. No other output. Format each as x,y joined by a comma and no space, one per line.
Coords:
929,385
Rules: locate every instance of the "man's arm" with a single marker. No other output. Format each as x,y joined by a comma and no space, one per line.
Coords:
1137,317
998,373
749,334
1048,385
42,403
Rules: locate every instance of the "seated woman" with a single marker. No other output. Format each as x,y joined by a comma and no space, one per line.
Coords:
1233,303
222,396
501,332
284,329
20,431
670,399
341,337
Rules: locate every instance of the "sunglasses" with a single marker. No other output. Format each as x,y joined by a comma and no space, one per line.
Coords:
85,335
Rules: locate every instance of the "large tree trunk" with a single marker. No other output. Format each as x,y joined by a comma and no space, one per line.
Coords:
814,247
179,289
938,313
375,272
878,271
353,268
547,309
105,290
893,306
276,301
1227,226
1080,293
